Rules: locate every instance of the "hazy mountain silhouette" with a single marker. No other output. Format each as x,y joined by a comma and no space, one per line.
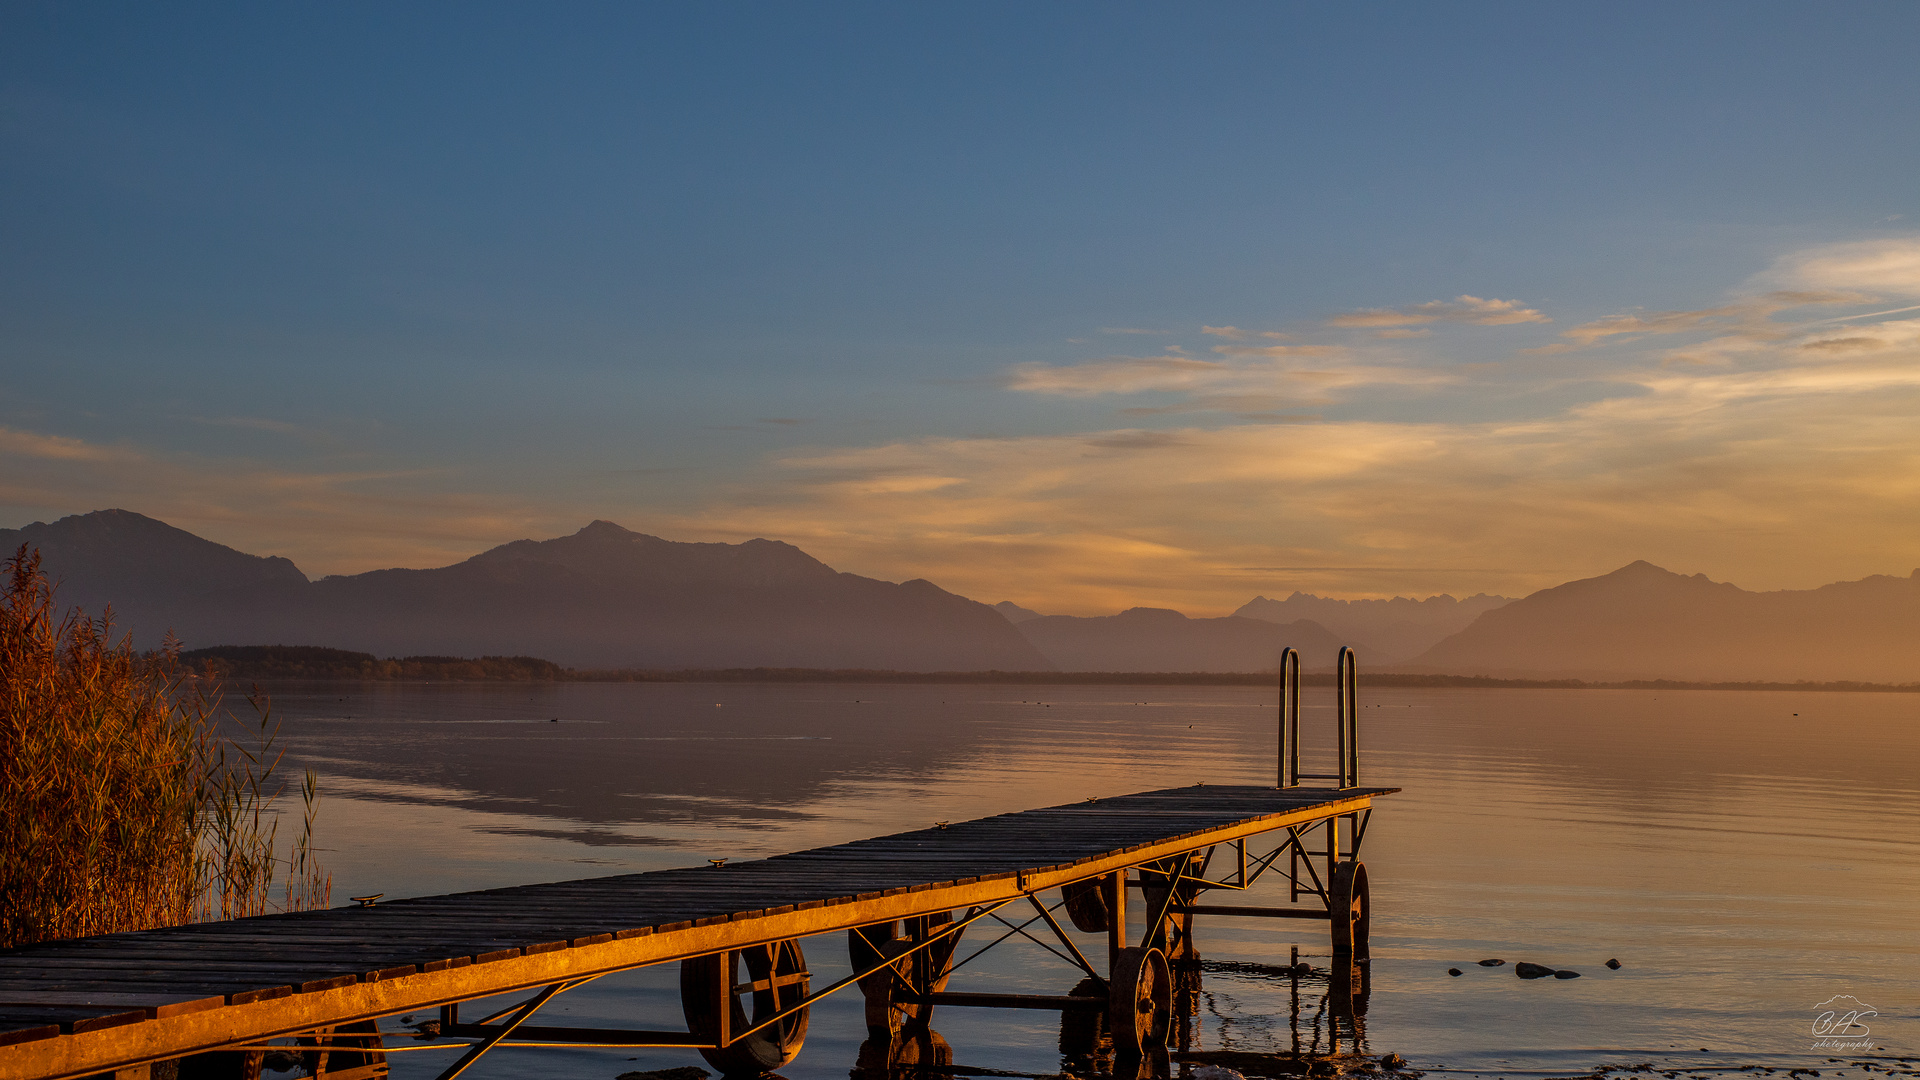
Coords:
1643,622
1159,639
603,597
156,576
1399,628
1014,612
609,597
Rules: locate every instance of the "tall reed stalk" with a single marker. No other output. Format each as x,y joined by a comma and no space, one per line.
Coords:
124,805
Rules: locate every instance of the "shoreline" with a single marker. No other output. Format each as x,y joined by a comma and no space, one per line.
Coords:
464,673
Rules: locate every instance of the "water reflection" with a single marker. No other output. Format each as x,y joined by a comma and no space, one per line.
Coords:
1326,1022
1326,1014
1744,862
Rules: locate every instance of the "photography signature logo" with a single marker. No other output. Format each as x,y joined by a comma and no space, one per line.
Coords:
1840,1023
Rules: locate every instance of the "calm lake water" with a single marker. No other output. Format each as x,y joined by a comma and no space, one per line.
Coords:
1746,856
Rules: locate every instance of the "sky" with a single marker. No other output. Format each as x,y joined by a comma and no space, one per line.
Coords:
1080,305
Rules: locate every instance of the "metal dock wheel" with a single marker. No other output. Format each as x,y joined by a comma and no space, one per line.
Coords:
1139,1001
776,978
1352,909
889,992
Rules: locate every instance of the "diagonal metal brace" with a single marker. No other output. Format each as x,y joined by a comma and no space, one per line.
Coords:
493,1039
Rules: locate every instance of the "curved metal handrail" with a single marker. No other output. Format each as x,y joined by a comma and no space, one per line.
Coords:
1289,718
1346,719
1347,699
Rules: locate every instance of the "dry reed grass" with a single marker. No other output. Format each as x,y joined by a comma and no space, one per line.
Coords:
128,797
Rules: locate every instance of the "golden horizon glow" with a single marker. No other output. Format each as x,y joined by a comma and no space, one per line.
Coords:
1765,441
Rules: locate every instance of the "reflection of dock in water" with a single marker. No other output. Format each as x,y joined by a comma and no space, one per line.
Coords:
1327,1007
1130,873
1326,1027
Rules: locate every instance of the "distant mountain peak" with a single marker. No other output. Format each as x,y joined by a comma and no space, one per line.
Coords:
1641,575
1017,614
114,556
1160,613
100,522
1400,627
1646,622
1161,639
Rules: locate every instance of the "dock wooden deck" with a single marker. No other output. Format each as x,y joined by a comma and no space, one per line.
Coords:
120,1002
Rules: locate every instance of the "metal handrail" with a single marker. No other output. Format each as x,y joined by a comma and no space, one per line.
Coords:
1346,720
1289,718
1347,700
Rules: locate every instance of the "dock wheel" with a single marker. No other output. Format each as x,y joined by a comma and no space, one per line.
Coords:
887,990
1352,909
1087,903
776,979
1139,1001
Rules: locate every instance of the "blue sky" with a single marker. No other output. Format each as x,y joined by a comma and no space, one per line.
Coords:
977,292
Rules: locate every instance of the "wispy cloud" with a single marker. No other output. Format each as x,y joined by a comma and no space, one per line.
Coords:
1759,440
1884,267
1782,454
1117,375
326,520
1250,378
250,423
1658,322
1278,350
1139,440
1750,317
1461,309
32,445
1234,333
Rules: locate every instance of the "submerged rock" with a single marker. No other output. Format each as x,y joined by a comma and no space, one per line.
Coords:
1393,1061
1455,972
1531,971
1491,963
1564,973
1614,964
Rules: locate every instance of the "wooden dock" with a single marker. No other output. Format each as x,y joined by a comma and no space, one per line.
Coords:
210,996
204,1002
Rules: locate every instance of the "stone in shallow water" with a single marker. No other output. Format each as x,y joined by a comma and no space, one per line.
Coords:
1563,973
1531,971
1614,964
1491,963
1455,972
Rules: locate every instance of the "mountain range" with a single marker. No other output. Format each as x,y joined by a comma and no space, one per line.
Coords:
1395,629
607,597
1160,639
602,597
1643,622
